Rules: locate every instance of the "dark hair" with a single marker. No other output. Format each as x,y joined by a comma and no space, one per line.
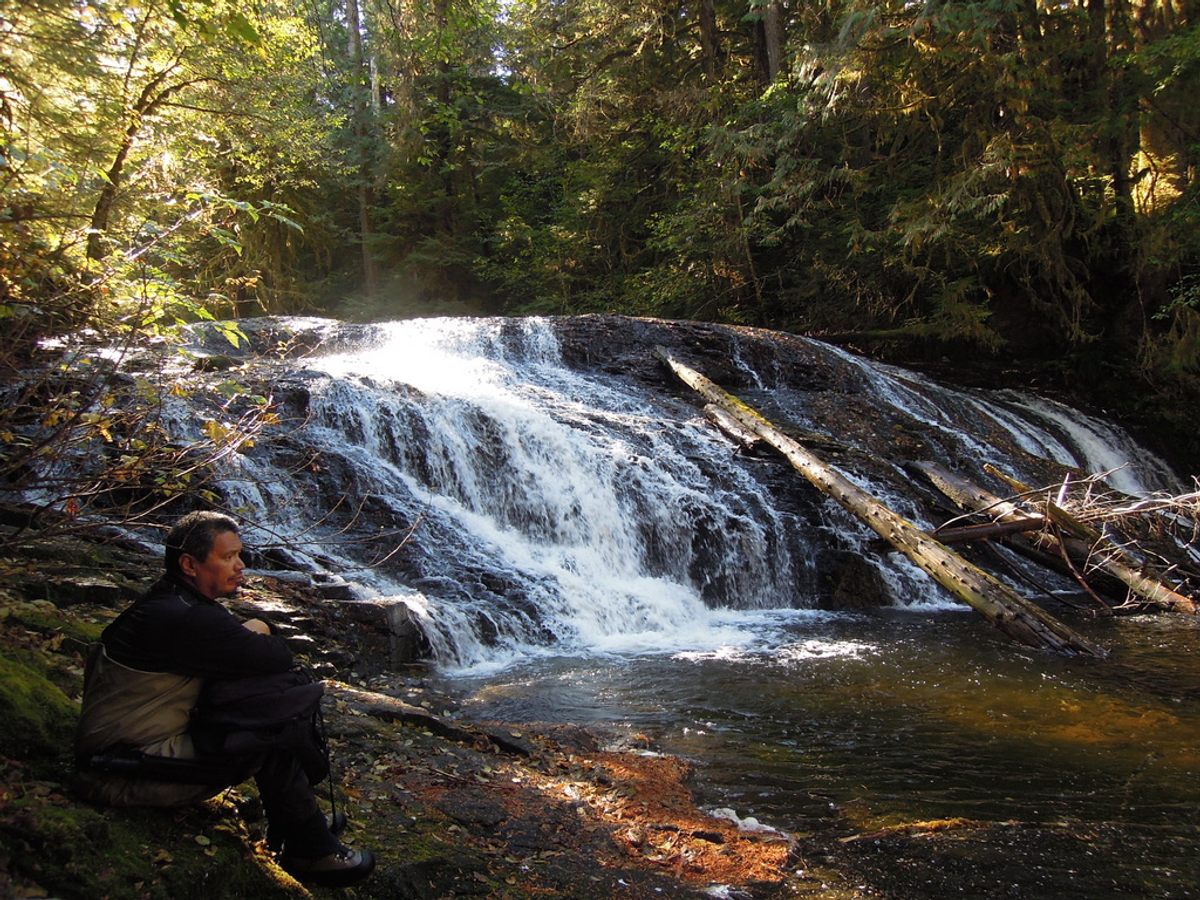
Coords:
195,535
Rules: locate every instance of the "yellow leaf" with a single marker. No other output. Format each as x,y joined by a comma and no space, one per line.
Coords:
215,431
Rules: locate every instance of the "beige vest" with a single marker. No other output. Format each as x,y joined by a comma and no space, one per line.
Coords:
146,710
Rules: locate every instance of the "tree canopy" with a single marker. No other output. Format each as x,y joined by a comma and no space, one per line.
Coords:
1004,178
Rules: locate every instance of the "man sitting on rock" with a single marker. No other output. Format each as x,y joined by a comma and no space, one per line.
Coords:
182,699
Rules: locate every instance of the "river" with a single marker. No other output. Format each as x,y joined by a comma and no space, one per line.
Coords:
841,724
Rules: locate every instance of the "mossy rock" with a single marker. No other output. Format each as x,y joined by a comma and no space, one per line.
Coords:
44,617
65,589
69,850
39,719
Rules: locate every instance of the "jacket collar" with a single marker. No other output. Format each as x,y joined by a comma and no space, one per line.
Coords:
178,586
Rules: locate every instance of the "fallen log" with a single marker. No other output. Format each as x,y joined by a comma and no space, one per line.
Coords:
971,497
983,531
1033,540
1020,619
749,441
987,530
1102,553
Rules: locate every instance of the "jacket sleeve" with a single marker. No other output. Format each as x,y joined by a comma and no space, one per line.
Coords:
210,642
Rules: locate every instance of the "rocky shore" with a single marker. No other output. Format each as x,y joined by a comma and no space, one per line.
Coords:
453,807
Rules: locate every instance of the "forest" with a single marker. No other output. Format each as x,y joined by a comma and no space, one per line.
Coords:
1002,193
1007,187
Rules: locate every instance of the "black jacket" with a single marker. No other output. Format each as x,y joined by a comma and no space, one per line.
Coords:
238,695
175,629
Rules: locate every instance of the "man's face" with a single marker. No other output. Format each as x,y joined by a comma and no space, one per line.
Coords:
220,573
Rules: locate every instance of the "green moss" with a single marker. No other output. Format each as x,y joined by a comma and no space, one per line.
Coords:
77,851
44,618
38,717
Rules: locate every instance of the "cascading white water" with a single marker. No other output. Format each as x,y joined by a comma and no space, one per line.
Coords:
1040,426
564,505
566,511
613,527
1095,446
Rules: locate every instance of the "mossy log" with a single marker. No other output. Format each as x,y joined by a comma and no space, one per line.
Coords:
1020,619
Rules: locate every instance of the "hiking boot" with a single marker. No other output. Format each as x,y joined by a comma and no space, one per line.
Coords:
336,823
336,870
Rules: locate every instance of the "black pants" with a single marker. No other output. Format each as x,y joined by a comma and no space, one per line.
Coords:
283,786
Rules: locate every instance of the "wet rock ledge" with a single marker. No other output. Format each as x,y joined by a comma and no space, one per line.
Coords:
453,807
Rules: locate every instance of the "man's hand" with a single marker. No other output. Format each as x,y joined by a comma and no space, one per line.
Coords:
258,626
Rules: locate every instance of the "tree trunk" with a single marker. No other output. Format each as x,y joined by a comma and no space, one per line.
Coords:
152,96
988,530
773,38
362,100
97,248
710,38
1017,617
768,45
443,134
749,441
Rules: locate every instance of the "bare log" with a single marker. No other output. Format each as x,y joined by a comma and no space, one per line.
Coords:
1101,552
1034,541
988,530
1017,617
749,441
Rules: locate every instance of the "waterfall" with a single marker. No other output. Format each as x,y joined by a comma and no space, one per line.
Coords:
1039,426
551,506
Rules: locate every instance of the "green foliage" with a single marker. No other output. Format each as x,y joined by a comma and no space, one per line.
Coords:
121,221
1009,176
72,431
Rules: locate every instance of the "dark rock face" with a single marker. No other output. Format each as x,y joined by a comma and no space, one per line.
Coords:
384,634
595,465
856,585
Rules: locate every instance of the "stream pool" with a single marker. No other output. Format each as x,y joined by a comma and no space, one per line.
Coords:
1085,772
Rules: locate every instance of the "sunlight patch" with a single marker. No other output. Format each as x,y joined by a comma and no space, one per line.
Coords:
813,648
726,653
817,649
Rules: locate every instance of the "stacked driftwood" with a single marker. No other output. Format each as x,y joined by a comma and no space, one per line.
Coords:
1075,528
1127,554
